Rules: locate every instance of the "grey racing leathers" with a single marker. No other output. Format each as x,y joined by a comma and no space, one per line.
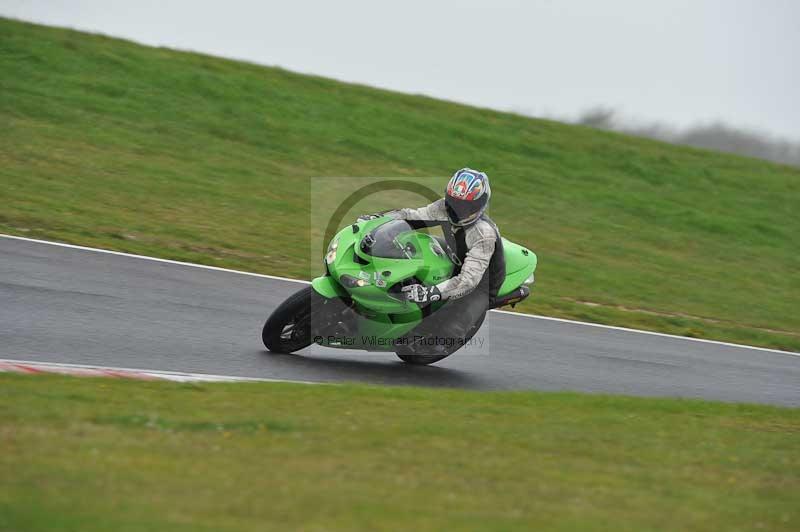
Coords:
480,238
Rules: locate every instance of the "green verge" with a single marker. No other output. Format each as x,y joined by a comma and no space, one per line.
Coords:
184,156
101,454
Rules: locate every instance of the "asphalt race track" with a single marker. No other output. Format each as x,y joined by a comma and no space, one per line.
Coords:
59,304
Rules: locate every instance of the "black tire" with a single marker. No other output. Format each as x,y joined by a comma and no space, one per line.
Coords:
288,328
424,360
302,316
421,360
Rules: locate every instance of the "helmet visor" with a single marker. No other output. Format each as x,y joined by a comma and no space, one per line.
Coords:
463,212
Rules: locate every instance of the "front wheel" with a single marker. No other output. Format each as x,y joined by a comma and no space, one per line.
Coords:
288,328
303,315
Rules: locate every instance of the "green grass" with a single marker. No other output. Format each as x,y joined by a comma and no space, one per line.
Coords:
99,454
148,150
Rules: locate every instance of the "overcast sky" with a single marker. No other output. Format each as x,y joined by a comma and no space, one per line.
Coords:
678,61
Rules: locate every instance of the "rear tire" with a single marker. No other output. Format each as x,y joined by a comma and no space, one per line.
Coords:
421,360
425,359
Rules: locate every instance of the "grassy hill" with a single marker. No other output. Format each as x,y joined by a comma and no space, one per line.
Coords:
185,156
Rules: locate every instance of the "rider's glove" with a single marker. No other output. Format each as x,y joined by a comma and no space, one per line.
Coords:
422,294
366,217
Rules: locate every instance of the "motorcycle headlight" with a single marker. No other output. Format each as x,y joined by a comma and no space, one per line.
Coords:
348,281
530,279
332,247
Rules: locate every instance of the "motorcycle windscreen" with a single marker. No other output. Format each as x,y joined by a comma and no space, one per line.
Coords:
392,240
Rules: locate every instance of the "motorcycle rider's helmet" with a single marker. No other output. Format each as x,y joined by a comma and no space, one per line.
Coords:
467,196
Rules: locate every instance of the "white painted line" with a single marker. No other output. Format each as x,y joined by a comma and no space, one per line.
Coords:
640,331
112,371
518,314
153,259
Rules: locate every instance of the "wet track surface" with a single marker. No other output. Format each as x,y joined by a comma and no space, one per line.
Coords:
77,306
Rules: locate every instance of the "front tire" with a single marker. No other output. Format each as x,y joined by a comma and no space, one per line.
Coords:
288,328
302,316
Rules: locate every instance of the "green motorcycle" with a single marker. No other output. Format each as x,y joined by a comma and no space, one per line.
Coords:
359,303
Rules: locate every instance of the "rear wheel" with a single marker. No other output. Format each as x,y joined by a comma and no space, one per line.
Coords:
421,360
408,356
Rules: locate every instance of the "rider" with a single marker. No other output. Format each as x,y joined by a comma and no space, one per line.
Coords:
479,263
